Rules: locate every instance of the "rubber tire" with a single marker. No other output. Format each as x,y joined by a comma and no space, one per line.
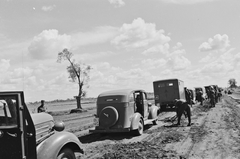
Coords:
66,153
139,130
111,119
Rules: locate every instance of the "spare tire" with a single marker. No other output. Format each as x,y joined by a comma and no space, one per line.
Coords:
108,117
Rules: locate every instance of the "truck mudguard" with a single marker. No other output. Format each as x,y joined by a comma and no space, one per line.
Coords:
153,112
135,120
50,148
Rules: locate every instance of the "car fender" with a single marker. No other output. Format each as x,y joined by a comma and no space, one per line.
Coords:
135,120
50,148
153,112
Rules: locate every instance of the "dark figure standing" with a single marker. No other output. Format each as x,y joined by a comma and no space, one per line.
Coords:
182,107
41,108
199,96
212,97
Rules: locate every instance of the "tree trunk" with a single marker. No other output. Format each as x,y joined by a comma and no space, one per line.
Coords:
79,106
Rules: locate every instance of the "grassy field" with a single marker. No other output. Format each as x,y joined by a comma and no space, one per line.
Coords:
63,105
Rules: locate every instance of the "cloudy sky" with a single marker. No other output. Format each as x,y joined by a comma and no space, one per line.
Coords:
128,44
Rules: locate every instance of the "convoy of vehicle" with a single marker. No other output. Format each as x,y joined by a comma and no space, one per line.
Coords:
38,136
32,136
123,111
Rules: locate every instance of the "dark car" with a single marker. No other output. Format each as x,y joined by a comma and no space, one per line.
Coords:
32,136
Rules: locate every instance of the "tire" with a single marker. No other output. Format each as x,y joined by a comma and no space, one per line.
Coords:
139,130
66,153
108,117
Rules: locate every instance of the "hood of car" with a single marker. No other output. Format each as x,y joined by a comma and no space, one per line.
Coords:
43,123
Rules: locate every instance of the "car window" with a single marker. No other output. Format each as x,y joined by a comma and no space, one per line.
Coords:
161,85
144,96
111,99
170,84
8,111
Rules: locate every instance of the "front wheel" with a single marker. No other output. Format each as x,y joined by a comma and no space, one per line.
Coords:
139,130
66,153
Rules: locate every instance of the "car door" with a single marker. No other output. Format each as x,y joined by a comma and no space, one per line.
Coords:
13,134
145,105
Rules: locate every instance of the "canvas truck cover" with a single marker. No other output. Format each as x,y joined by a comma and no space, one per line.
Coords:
165,91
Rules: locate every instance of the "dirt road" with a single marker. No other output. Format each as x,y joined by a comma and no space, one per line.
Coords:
214,134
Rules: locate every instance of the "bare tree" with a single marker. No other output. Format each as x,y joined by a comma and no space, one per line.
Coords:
78,72
232,82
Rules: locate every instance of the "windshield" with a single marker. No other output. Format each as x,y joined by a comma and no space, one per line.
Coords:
8,111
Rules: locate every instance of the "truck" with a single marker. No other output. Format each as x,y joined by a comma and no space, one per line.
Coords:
166,91
32,136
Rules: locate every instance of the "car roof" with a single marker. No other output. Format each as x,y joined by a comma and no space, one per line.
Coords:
122,92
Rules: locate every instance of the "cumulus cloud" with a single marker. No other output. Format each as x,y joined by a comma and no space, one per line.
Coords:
117,3
218,42
22,72
98,35
4,65
48,43
157,49
177,63
176,59
223,65
48,8
153,63
187,1
178,46
140,34
95,55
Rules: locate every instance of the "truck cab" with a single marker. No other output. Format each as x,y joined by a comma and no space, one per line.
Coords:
32,136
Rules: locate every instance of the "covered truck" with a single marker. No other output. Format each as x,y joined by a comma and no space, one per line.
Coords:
166,91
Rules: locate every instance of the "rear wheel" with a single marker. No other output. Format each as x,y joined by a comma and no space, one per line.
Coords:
66,153
139,130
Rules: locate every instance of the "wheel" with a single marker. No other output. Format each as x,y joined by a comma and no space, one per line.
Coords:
66,153
108,117
139,130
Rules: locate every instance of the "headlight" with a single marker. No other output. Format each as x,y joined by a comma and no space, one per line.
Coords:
59,126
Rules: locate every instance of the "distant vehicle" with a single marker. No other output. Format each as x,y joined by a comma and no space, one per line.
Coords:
123,111
166,91
200,94
32,136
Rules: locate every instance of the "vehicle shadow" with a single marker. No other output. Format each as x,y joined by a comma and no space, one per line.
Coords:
93,137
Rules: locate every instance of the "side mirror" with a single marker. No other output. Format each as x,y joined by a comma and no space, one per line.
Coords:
149,104
59,126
